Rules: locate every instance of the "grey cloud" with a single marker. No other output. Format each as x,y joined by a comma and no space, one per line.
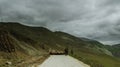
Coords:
96,19
46,10
113,2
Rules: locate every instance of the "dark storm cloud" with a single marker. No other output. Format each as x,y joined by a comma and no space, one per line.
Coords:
95,19
40,11
28,10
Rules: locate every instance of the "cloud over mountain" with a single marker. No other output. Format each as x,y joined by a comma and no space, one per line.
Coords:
96,19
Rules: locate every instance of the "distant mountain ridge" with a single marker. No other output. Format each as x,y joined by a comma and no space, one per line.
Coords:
37,41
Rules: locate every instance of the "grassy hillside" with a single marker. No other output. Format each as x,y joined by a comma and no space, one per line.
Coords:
115,49
36,41
90,51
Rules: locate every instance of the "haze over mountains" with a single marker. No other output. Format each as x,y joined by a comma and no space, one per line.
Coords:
25,41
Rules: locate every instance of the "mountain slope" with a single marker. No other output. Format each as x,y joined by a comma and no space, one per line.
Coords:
37,41
115,49
84,43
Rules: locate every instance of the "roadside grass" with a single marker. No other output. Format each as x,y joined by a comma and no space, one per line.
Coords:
97,60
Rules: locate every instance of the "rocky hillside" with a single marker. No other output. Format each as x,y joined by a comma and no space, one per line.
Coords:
24,41
6,42
15,48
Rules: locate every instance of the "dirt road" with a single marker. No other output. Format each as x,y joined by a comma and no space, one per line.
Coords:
62,61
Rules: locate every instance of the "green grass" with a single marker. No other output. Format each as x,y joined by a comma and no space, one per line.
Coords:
97,60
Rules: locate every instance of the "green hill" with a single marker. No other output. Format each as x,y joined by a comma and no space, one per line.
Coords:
115,49
37,41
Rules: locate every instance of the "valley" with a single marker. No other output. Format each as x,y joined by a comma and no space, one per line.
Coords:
25,45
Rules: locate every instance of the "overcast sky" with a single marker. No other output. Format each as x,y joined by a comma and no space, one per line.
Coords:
94,19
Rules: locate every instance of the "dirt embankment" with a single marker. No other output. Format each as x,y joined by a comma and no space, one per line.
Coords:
10,56
31,61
